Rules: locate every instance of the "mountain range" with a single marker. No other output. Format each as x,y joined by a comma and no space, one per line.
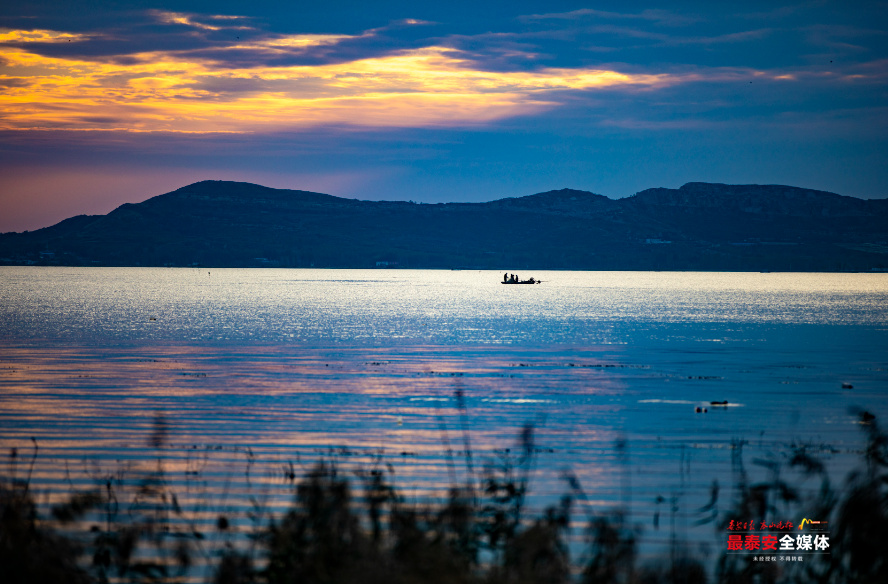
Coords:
700,226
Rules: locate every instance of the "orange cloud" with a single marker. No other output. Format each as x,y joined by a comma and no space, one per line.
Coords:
177,92
167,17
37,36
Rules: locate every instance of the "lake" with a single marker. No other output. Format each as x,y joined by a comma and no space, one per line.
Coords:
265,368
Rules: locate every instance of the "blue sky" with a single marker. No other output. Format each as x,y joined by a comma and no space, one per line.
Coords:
106,103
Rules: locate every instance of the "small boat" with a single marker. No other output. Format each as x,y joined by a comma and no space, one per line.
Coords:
531,281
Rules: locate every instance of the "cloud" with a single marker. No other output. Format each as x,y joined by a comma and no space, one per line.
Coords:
777,13
837,37
664,40
38,36
182,72
251,85
734,37
226,40
663,17
14,82
194,20
413,22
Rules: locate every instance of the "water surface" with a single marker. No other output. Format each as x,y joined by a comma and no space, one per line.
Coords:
286,366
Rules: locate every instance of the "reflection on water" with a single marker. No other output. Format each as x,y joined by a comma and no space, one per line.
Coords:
412,307
287,366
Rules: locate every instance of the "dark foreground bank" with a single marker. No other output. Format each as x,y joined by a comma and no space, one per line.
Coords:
350,527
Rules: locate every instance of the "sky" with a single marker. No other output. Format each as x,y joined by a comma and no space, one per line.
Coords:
104,103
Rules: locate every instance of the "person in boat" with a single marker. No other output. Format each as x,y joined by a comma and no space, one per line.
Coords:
506,277
532,281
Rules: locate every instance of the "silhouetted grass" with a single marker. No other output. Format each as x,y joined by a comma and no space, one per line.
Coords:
361,529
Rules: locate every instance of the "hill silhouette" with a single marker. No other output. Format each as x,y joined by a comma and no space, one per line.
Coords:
700,226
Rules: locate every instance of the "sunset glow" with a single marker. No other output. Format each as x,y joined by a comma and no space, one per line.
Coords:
432,102
170,92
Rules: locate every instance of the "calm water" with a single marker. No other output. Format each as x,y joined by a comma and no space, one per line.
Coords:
296,364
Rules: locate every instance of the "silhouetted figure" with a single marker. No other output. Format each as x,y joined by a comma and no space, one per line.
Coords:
506,277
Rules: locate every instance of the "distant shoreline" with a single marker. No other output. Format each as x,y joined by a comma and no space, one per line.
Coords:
699,227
